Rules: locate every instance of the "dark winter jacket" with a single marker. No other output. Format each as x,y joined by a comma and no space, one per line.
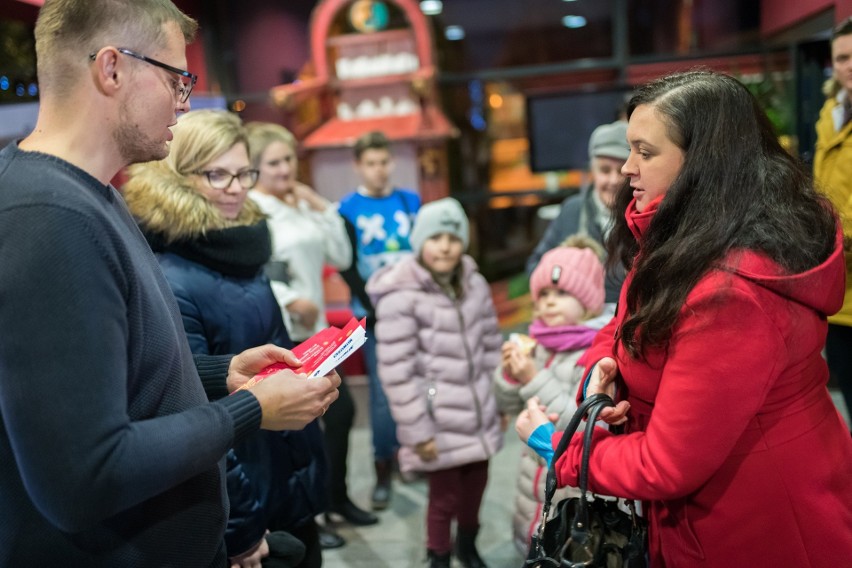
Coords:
578,214
272,475
227,306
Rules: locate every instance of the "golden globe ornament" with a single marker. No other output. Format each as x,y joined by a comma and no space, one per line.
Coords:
368,15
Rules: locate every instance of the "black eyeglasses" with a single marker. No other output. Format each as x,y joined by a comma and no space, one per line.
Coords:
182,89
222,179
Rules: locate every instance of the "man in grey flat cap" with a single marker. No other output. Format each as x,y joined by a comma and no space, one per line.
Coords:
588,213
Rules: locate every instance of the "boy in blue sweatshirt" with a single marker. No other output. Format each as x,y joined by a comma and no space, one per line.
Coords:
378,218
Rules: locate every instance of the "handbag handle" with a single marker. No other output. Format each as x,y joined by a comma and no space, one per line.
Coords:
592,406
596,400
580,524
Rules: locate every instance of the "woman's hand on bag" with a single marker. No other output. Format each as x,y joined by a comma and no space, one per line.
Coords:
428,451
533,416
602,380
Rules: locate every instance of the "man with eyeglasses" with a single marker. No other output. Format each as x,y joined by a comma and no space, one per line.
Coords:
110,453
182,85
833,174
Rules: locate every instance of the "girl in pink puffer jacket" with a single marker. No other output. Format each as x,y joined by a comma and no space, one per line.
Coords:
438,344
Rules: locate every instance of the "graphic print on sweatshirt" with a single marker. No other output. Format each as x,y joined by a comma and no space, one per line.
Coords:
382,227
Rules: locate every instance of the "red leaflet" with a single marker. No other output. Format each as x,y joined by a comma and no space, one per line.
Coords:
321,353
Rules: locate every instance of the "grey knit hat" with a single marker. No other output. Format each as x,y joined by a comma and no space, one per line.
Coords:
610,140
442,216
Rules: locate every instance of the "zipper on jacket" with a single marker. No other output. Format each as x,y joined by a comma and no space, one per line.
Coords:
469,354
430,399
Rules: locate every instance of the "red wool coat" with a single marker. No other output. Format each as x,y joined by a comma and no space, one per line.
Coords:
733,443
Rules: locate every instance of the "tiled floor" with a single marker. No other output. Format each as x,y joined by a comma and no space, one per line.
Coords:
398,541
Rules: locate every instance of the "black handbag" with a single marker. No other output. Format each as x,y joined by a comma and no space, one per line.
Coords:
586,532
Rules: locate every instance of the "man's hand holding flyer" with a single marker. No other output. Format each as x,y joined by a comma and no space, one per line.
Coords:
321,353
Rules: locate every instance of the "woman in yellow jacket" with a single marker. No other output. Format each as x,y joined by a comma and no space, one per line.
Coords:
833,174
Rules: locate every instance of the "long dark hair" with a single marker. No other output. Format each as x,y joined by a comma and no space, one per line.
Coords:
737,189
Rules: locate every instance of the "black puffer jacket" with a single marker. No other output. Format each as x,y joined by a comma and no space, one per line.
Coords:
272,475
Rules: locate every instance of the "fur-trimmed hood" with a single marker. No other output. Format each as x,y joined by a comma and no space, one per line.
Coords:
166,203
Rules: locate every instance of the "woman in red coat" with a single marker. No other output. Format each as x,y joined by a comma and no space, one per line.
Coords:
732,441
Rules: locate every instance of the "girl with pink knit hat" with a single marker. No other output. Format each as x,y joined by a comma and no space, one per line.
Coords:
567,288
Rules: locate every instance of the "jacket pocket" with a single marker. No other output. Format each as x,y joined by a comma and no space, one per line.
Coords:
680,515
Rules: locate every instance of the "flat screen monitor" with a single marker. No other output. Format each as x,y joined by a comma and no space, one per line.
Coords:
559,126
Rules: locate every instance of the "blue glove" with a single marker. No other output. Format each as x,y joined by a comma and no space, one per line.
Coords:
539,441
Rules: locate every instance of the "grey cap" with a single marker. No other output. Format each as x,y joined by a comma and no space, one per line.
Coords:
610,140
442,216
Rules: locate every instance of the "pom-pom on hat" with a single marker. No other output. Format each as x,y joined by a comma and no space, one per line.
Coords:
442,216
577,271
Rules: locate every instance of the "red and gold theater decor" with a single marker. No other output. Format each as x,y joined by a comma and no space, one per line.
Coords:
372,69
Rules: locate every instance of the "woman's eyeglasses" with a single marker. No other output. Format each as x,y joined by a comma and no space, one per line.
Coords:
222,179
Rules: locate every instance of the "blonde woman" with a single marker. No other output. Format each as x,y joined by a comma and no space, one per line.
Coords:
212,243
307,233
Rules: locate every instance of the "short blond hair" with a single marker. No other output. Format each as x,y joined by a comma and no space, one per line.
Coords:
165,195
67,31
200,136
262,134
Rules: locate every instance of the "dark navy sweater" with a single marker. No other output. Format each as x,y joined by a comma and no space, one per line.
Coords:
110,454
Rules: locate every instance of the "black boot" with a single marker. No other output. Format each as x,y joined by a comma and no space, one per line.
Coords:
466,549
329,539
382,492
352,513
438,560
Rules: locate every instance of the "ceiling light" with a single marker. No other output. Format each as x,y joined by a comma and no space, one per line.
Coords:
573,21
431,7
454,33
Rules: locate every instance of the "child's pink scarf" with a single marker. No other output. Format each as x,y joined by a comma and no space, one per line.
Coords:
563,337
